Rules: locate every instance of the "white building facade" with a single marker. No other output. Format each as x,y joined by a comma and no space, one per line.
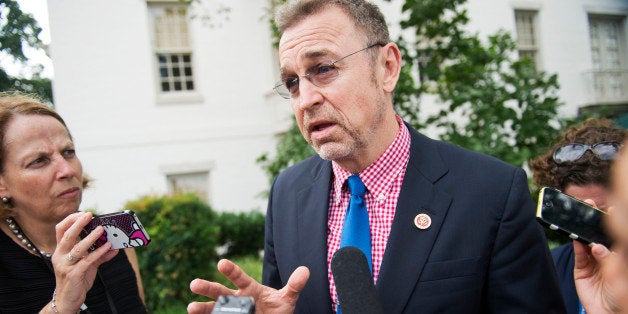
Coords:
160,97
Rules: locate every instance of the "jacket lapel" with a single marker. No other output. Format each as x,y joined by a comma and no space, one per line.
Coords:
408,246
312,207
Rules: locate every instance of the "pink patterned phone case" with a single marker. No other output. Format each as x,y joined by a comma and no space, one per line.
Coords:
122,229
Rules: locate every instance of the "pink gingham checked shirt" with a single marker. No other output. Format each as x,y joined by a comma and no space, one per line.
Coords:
383,181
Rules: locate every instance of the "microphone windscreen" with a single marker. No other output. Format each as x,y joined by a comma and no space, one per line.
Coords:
354,284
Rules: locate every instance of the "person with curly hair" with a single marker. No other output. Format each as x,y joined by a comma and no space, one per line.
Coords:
579,165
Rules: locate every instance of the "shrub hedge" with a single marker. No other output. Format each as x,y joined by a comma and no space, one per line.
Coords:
241,234
183,237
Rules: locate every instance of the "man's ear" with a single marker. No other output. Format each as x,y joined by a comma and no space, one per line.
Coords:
392,66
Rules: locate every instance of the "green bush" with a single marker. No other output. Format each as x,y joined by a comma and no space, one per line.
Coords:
175,308
241,234
184,235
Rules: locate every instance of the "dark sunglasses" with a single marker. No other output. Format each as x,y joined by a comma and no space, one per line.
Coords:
575,151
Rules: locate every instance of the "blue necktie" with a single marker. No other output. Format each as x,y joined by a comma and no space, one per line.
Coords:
356,231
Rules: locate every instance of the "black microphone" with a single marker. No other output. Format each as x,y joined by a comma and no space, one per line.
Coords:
356,291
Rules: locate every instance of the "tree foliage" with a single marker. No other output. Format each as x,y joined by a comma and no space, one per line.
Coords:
488,99
491,101
17,31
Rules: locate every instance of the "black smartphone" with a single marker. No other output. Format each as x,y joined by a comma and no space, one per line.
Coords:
575,218
123,229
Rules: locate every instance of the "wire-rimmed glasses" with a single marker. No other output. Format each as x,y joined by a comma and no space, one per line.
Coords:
320,75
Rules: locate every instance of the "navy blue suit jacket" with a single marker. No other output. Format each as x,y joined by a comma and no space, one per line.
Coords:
483,253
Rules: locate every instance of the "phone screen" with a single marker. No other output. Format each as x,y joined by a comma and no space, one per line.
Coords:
569,215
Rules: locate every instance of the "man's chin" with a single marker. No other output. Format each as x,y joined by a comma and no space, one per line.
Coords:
332,150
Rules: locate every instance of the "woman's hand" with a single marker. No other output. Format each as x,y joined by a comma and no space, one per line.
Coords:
267,299
75,267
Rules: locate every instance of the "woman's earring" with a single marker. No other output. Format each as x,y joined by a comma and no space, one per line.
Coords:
5,200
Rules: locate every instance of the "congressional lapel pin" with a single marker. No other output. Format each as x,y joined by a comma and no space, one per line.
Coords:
422,221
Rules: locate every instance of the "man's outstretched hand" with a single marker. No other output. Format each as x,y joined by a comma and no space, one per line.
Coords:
267,299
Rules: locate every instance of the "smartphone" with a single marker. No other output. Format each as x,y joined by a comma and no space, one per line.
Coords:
123,229
575,218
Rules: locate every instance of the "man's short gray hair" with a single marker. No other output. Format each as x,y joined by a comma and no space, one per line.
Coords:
366,16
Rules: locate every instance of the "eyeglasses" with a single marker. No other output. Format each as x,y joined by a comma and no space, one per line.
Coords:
320,75
575,151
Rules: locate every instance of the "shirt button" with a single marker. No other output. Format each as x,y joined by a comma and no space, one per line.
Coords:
381,197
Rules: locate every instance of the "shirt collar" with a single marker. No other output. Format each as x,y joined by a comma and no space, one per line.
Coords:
379,176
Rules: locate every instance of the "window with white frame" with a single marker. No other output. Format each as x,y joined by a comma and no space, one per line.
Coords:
610,79
194,182
172,46
527,41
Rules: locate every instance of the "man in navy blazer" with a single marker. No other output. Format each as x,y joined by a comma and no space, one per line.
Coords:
483,253
476,248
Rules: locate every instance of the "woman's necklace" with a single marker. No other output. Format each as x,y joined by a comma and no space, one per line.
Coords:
15,228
